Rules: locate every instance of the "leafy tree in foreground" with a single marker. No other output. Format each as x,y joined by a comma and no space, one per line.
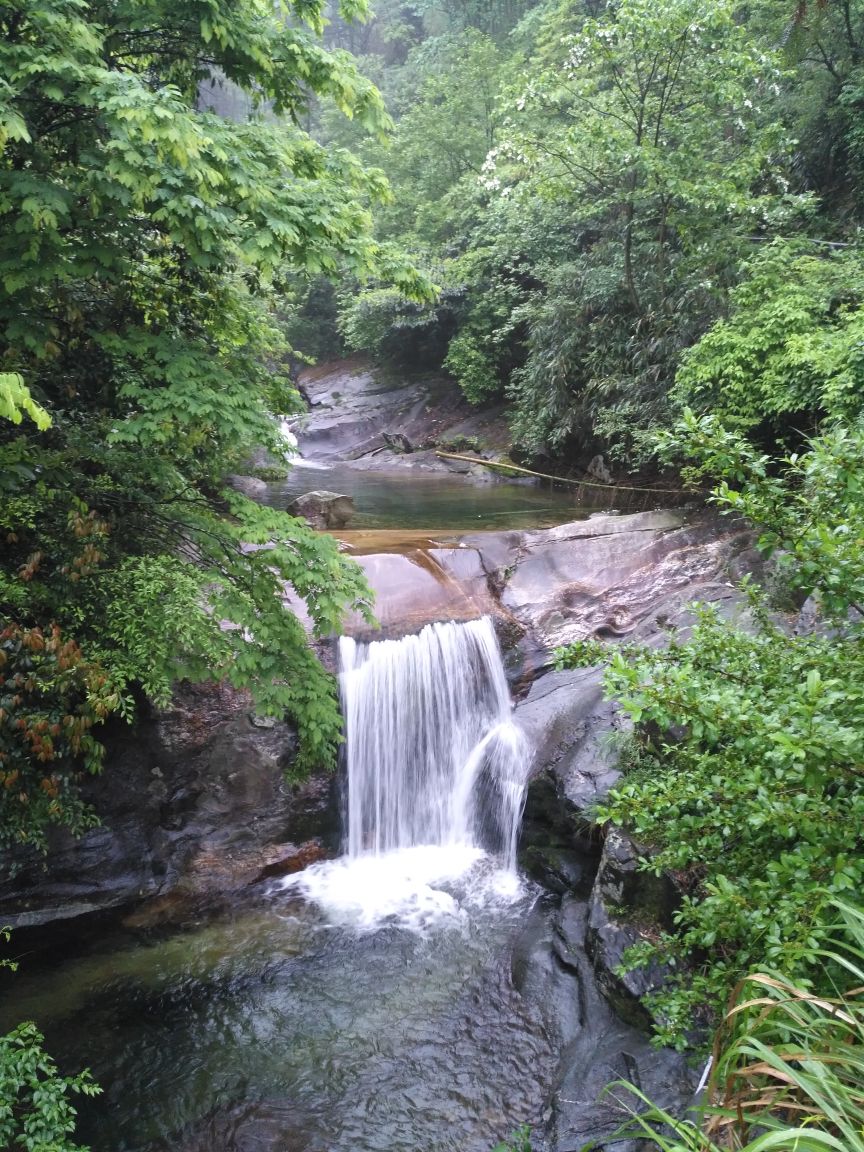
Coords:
143,242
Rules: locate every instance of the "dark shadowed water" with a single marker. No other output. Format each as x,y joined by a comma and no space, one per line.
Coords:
287,1027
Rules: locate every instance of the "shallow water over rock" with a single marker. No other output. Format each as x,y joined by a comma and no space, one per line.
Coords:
428,501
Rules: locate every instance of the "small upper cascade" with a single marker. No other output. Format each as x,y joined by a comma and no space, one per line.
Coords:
433,755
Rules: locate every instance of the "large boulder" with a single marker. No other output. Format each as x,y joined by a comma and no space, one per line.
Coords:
323,509
193,796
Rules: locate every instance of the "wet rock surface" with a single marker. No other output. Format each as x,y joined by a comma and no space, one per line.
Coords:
422,586
357,415
200,782
611,576
627,906
608,577
323,509
596,1047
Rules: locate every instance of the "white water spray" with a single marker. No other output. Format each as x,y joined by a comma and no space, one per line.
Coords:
436,781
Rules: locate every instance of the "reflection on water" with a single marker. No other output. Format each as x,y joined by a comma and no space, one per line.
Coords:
412,499
286,1028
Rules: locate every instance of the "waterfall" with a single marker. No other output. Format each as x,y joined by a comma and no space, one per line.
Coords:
433,756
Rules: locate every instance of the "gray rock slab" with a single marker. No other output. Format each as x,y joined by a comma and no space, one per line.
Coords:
570,726
596,1047
199,778
357,415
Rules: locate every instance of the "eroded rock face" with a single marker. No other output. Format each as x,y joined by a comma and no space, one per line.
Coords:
356,415
192,797
610,575
627,906
597,1047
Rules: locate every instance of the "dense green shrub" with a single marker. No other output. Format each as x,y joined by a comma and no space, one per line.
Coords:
792,351
749,736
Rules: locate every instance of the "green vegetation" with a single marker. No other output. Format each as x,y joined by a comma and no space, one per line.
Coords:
36,1112
787,1064
35,1108
593,185
643,221
147,241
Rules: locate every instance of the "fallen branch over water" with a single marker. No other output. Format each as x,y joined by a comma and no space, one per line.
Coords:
561,479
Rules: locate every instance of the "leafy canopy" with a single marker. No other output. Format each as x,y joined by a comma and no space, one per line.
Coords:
144,243
792,351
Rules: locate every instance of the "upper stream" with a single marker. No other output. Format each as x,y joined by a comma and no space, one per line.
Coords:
431,501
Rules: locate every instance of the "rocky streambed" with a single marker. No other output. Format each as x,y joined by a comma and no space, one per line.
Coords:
518,1018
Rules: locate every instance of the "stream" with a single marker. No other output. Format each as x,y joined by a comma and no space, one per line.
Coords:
369,1003
285,1027
411,499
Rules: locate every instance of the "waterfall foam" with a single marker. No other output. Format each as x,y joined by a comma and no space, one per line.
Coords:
436,773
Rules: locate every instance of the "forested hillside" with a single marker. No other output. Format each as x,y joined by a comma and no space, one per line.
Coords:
592,187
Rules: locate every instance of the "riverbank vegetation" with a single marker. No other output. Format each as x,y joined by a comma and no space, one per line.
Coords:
145,245
593,186
786,1064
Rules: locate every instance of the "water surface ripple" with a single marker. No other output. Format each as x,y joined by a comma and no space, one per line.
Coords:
281,1029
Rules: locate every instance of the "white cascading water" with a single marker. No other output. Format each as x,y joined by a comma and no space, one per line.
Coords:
432,753
436,773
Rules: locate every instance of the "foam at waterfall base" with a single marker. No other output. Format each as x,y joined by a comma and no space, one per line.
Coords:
416,888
